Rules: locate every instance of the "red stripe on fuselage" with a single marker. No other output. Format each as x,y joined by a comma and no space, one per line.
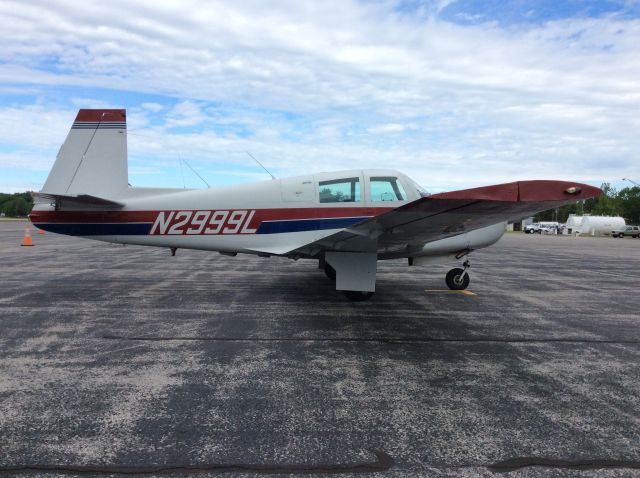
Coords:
92,216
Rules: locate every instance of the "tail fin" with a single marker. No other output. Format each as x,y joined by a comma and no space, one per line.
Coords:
93,158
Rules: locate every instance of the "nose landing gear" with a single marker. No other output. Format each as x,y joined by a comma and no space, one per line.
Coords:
457,278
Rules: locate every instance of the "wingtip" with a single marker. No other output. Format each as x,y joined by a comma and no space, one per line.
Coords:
534,190
547,190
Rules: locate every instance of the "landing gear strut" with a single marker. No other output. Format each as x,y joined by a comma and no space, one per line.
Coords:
329,271
457,278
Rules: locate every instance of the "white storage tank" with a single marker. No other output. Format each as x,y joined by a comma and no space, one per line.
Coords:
600,225
573,224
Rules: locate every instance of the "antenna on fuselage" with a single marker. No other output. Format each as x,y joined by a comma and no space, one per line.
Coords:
195,172
253,157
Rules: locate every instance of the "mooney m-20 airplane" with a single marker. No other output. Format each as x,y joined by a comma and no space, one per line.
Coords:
346,220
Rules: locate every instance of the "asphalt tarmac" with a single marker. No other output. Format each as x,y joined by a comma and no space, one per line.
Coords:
117,360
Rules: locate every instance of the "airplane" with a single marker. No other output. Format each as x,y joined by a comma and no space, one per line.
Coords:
345,220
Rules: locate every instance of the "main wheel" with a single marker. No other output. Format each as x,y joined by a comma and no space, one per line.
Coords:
357,296
456,280
329,271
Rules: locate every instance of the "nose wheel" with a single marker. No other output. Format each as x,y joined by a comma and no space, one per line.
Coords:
458,278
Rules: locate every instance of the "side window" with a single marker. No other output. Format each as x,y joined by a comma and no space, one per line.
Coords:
340,190
386,188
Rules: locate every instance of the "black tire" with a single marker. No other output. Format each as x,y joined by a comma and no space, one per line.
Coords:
329,271
357,296
453,279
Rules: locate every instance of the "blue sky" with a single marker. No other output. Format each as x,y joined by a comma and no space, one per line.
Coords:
535,12
455,94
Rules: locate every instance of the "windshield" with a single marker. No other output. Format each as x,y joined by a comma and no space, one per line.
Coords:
421,191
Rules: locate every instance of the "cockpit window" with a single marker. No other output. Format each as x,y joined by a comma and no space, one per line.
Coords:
386,188
340,190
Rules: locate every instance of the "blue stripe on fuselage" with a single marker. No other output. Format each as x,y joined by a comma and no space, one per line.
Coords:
300,225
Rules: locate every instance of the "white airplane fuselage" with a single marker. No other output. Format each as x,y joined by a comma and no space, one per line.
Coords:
268,217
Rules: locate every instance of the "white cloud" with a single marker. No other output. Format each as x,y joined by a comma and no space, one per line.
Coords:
95,103
19,187
185,113
153,107
35,127
364,84
391,128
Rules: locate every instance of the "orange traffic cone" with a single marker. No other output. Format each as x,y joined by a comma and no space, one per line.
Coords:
40,231
27,237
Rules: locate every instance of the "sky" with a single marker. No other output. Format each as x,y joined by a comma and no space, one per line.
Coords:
455,94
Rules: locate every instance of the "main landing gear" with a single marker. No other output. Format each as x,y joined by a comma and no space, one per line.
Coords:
457,278
352,295
329,271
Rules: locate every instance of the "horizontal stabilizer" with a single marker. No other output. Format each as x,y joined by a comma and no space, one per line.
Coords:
79,199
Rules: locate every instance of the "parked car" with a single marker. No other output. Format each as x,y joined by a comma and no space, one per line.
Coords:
532,228
633,231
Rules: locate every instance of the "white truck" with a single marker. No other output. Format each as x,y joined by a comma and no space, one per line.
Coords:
543,227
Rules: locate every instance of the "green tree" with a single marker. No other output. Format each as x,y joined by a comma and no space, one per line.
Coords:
18,204
606,204
629,203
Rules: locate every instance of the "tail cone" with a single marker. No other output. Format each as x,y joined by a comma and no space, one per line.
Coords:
27,237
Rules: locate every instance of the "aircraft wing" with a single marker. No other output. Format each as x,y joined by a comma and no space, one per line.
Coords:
448,214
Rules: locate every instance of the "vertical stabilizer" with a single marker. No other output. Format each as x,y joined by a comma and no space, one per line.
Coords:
93,158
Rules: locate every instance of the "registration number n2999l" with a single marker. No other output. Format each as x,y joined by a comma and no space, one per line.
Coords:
203,222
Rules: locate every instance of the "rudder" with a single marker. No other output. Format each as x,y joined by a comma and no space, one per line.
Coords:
93,158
